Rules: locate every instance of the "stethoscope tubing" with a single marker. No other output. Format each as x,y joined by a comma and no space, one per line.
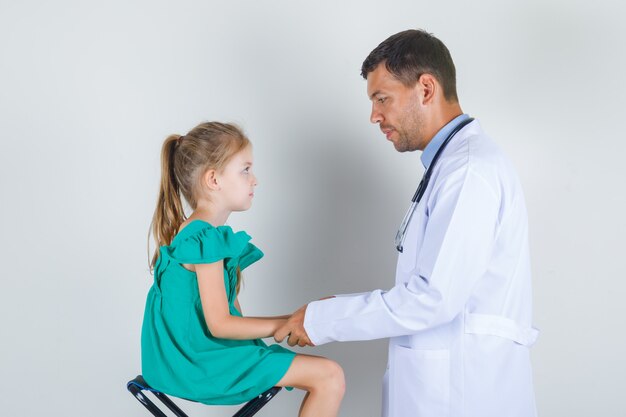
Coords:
421,188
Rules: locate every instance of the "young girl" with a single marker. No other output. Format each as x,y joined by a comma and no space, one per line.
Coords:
195,342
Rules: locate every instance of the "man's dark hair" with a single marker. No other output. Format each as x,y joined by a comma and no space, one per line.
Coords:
409,54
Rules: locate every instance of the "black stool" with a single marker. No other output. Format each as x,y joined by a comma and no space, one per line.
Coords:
137,385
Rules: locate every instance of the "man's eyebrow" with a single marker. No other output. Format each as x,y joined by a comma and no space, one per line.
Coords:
375,93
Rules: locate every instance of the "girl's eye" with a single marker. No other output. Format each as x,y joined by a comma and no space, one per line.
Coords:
247,170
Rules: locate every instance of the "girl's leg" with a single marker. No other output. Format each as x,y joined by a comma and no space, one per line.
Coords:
322,379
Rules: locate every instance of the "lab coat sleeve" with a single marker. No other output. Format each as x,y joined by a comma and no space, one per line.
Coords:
458,241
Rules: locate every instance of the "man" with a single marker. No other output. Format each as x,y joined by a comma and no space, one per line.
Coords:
459,314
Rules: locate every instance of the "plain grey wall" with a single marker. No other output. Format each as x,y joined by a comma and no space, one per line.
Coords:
89,90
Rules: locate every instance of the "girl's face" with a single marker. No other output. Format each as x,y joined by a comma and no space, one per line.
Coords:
237,181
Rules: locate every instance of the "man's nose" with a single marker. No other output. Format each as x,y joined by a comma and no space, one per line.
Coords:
375,116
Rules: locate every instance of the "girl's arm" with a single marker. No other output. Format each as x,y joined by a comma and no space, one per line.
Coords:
215,308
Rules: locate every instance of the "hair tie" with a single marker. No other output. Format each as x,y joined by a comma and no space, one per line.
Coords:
180,139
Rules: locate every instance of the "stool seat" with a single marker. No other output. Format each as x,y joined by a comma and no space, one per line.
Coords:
138,385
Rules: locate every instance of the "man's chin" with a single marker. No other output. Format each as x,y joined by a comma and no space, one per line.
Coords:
401,147
405,146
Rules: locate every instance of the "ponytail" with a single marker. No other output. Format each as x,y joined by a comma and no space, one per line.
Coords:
169,213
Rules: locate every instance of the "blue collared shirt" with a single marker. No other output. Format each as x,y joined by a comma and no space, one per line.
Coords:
435,143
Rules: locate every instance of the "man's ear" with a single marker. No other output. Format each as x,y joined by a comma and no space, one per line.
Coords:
210,180
429,87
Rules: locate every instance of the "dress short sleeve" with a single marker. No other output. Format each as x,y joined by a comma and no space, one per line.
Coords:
204,244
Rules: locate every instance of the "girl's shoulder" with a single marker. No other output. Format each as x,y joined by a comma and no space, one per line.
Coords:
195,228
201,242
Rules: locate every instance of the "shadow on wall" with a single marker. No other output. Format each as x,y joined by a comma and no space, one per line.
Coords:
337,228
344,228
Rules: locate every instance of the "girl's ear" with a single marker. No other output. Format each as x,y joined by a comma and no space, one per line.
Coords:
210,180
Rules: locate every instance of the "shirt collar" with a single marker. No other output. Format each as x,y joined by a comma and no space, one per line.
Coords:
436,142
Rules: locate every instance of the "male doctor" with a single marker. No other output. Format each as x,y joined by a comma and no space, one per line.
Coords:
459,314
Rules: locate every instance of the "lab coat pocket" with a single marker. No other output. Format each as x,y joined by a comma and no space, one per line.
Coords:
420,382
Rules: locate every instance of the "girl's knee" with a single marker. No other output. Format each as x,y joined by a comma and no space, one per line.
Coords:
333,378
316,375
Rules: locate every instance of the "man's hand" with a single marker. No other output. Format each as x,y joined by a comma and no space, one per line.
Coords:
294,328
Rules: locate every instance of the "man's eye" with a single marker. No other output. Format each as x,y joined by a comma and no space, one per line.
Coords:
381,100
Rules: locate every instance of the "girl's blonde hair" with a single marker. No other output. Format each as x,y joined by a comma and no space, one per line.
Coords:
184,159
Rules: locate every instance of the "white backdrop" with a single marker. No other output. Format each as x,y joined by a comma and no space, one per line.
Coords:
89,90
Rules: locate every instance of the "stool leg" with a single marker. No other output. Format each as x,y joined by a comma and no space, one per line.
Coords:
136,391
170,404
254,405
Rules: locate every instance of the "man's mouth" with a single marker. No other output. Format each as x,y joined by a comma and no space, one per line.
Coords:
387,131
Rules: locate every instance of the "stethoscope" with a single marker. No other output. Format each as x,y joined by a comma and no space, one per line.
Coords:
421,188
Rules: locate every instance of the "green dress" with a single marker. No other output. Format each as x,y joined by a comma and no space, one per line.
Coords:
178,353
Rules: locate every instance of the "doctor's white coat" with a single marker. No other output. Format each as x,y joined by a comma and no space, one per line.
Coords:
459,314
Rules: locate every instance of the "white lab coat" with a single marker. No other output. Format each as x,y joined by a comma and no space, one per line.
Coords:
459,314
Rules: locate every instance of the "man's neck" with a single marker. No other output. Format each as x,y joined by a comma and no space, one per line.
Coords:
441,117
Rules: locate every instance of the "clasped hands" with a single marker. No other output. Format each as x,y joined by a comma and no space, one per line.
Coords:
293,329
